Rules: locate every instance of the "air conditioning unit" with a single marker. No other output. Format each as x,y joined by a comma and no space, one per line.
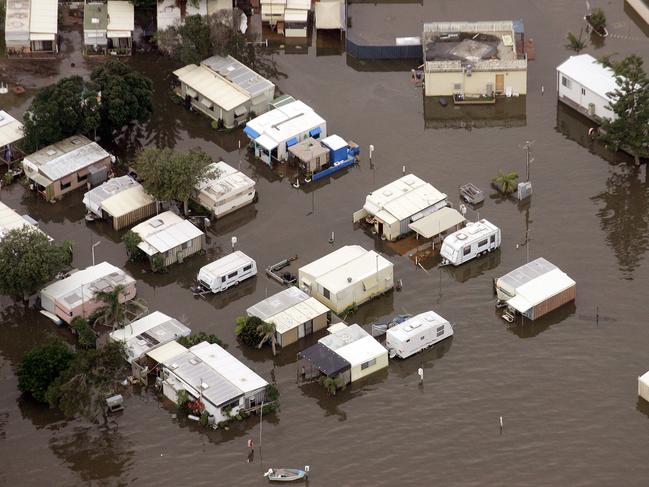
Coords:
524,190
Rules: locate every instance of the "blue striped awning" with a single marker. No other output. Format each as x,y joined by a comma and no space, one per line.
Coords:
291,142
251,133
314,132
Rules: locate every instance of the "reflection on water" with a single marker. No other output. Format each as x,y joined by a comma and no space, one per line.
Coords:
506,112
407,368
624,215
474,268
643,407
524,328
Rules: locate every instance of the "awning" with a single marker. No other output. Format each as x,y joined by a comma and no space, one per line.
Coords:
325,360
251,133
241,110
437,222
291,141
190,92
314,132
38,178
41,37
118,34
266,142
206,103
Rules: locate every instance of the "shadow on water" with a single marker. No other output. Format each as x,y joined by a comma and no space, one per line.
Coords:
382,307
382,65
524,328
506,112
426,359
229,223
221,300
643,407
40,415
624,216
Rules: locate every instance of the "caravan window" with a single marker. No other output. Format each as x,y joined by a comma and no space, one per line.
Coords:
440,330
326,293
492,239
565,82
247,268
467,250
223,279
368,364
482,243
234,274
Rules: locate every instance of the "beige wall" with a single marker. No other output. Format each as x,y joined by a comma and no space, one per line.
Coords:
171,257
443,84
56,191
358,373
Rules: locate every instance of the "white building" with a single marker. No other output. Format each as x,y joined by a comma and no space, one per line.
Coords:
349,276
225,90
416,334
31,28
11,220
148,333
535,289
121,24
169,237
226,192
275,131
643,386
392,208
584,84
330,14
11,131
208,373
121,200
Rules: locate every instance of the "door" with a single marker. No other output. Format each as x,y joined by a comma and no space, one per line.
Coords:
308,327
300,331
500,83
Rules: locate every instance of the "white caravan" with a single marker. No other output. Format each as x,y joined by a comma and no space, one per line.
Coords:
474,240
416,334
226,272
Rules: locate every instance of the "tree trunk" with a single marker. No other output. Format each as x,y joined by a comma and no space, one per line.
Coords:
185,207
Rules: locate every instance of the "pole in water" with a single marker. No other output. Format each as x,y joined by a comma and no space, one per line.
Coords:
332,238
597,316
371,151
542,90
420,372
501,425
403,169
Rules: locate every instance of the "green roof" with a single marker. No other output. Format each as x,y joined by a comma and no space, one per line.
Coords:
97,11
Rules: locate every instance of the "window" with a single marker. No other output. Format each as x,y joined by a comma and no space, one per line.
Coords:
223,279
482,243
467,250
457,86
81,178
421,337
440,331
565,82
325,293
368,364
583,91
234,274
492,239
247,268
185,245
66,185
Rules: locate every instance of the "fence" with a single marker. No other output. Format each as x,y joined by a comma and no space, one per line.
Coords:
383,52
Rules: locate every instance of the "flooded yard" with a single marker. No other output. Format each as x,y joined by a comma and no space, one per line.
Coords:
565,385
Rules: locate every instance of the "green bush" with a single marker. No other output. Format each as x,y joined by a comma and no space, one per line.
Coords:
158,263
247,330
42,366
85,334
131,241
196,338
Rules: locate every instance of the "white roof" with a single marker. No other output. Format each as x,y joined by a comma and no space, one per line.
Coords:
164,232
336,327
332,260
10,220
226,264
644,378
299,4
285,122
238,74
334,142
148,333
66,157
168,13
212,86
353,344
166,351
11,130
423,321
402,199
81,286
296,15
228,180
437,222
472,232
121,16
330,14
585,70
117,196
44,17
540,289
229,367
17,20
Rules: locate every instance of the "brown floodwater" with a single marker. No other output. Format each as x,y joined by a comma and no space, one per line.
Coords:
564,385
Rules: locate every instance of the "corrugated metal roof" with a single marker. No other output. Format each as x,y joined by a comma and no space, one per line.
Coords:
44,17
164,232
334,142
121,16
296,15
437,222
212,86
587,71
277,303
11,130
239,74
296,315
540,289
166,351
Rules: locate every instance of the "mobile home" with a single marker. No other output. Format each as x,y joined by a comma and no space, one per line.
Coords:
475,239
643,386
226,192
294,313
226,272
31,28
75,295
275,131
584,84
391,209
72,163
416,334
121,200
535,289
11,220
168,237
148,333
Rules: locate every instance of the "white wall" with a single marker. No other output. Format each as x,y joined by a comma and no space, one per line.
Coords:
583,98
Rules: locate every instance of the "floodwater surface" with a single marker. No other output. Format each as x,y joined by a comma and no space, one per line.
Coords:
565,385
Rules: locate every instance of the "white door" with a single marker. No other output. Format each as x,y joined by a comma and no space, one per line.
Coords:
300,331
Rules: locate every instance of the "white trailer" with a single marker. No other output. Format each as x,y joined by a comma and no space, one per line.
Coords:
226,272
474,240
643,386
416,334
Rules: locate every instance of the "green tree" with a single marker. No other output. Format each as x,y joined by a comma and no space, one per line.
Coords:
131,241
575,43
92,376
172,176
247,330
41,366
126,95
86,337
115,309
196,338
267,333
630,103
505,183
331,384
597,20
29,260
61,110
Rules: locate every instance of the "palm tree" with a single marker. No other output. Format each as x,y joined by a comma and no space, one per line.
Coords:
575,43
332,384
506,182
267,333
116,308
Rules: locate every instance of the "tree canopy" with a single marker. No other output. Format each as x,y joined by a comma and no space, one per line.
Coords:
115,309
172,176
630,103
41,366
248,329
28,260
61,110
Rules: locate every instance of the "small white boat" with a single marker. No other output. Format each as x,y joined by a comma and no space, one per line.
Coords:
286,474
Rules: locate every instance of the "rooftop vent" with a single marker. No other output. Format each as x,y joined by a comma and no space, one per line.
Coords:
156,223
51,152
94,20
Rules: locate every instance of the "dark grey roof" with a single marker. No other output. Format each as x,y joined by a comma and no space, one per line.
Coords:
325,360
238,73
